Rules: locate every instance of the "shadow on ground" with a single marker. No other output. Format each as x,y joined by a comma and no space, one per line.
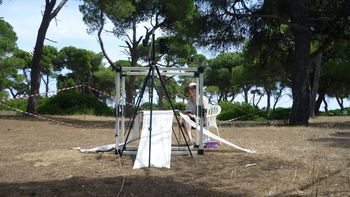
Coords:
131,186
341,125
340,139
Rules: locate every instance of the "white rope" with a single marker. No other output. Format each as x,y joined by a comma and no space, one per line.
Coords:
211,135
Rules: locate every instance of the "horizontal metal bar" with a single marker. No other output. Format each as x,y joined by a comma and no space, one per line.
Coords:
161,73
140,69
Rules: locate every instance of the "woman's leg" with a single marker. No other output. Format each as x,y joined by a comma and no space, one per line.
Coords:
188,129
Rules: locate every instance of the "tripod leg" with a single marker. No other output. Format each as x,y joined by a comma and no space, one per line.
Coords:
172,107
157,90
138,102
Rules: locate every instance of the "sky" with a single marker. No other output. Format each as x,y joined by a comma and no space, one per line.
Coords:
69,30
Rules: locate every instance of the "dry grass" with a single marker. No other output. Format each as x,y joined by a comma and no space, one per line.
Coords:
37,160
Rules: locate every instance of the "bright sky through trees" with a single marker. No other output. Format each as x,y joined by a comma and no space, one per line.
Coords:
70,30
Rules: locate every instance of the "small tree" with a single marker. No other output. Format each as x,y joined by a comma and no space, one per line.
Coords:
7,47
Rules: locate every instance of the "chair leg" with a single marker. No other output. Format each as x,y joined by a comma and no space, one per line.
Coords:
217,131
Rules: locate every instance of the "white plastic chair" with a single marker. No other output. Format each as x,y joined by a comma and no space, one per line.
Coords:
212,112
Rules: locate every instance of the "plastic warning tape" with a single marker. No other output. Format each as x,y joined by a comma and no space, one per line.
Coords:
44,93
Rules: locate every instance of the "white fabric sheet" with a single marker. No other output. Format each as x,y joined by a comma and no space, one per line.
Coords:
104,148
160,140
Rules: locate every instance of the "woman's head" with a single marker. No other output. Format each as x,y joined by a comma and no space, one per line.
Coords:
192,89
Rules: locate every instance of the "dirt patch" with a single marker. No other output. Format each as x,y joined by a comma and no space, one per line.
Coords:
37,159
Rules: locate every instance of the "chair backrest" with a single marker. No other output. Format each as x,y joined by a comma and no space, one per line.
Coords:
212,112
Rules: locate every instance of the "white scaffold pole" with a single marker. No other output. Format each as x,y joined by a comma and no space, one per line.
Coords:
117,100
123,101
202,111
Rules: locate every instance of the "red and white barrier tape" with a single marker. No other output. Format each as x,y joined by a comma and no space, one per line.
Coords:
50,119
38,116
104,93
59,90
33,95
94,89
233,119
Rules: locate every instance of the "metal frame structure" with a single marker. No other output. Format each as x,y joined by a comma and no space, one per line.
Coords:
120,98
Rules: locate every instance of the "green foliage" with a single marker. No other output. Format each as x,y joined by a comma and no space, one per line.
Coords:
81,62
114,9
14,72
48,60
180,51
280,114
8,40
219,74
145,106
335,78
245,111
177,106
64,82
104,80
241,111
69,103
21,104
336,112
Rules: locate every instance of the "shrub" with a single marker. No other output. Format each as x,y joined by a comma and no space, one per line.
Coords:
241,111
21,104
280,114
336,112
69,103
177,106
145,106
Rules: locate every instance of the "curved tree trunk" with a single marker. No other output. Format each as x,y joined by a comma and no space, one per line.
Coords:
325,105
246,91
321,97
340,102
316,83
49,14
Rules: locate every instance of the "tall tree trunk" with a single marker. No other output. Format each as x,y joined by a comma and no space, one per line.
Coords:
246,91
161,93
49,14
300,74
268,98
325,105
130,86
340,102
27,81
46,82
316,83
321,97
277,97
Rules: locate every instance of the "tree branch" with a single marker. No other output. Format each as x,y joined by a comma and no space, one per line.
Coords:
58,8
102,21
323,47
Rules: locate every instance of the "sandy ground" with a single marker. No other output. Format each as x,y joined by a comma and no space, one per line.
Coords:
37,159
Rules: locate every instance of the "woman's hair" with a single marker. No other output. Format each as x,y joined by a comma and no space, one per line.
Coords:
187,93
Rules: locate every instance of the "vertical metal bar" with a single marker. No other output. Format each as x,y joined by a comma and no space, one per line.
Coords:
117,98
201,147
150,92
123,101
197,110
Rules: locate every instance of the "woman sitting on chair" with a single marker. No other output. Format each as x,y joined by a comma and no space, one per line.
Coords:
191,109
